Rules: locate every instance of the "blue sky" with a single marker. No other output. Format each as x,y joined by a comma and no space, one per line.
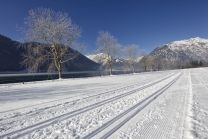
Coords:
148,23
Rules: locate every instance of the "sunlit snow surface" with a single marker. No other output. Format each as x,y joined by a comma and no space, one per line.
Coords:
160,105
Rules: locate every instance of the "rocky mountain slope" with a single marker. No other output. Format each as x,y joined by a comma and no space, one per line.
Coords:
10,58
185,50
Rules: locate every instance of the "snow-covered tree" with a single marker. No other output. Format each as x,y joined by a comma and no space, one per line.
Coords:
146,61
131,52
125,66
109,46
178,64
54,35
157,63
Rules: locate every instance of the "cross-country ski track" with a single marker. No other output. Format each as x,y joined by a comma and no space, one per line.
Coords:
160,105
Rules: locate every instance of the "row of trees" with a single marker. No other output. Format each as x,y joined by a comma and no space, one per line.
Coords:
149,63
109,46
52,41
194,64
112,49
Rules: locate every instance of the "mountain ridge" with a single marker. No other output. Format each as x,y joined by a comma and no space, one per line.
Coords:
193,49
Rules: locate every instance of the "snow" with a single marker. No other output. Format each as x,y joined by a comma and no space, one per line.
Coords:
118,60
165,104
98,58
117,63
192,49
138,59
185,44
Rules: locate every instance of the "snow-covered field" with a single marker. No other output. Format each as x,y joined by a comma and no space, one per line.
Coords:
160,105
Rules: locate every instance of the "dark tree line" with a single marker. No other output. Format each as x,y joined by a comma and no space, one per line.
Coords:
149,63
194,64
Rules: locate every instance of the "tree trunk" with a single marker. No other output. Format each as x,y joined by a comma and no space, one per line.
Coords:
110,69
110,63
158,68
60,71
133,68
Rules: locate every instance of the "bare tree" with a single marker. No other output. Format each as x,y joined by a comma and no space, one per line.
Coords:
179,64
158,63
206,63
125,66
150,62
167,64
131,52
109,46
146,61
164,64
187,64
51,39
170,64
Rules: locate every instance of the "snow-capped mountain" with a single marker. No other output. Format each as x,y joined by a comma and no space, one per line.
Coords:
101,59
138,59
192,49
98,58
